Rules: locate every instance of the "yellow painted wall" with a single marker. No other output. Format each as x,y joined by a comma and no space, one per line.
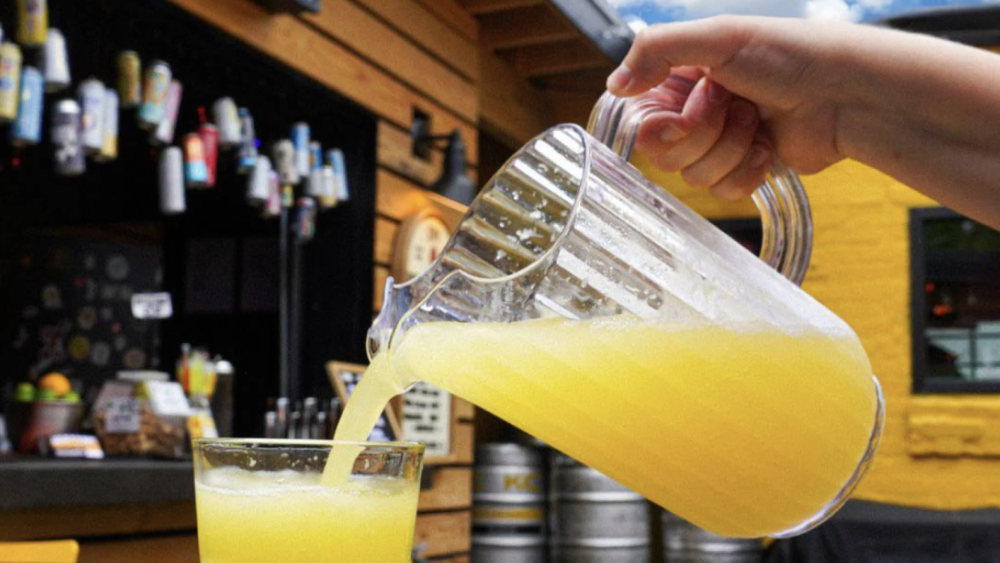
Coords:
939,452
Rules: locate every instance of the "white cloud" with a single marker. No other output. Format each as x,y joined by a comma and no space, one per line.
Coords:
833,10
700,8
849,10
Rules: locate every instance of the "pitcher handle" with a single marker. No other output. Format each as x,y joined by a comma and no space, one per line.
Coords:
781,199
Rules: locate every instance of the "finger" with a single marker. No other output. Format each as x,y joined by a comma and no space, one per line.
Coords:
675,142
707,42
747,177
729,150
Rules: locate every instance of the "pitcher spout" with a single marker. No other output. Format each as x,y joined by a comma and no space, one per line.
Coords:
396,302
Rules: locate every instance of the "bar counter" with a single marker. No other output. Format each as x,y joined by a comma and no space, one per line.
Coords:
122,509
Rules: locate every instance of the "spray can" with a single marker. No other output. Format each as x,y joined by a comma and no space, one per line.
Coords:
91,94
195,168
314,183
227,119
164,134
10,81
315,155
172,181
154,94
329,198
284,162
129,79
210,145
258,181
300,138
67,143
335,158
305,219
27,128
56,59
109,149
272,207
33,22
248,142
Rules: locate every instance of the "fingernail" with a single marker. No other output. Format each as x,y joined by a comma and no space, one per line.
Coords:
759,156
671,134
620,79
744,113
716,94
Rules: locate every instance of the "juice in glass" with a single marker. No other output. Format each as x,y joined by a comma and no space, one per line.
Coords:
262,501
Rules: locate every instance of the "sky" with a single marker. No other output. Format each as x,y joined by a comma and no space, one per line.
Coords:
655,11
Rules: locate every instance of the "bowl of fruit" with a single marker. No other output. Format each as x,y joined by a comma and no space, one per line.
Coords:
50,407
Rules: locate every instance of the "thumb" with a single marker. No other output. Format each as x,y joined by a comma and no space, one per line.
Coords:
706,43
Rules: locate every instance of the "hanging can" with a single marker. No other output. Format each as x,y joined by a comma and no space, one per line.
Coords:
335,158
305,219
172,200
33,22
109,150
56,62
67,144
10,81
272,207
27,127
195,167
156,83
258,181
300,138
129,79
210,144
248,142
91,94
164,133
284,162
227,119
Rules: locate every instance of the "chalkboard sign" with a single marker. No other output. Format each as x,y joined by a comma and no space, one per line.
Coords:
345,378
67,302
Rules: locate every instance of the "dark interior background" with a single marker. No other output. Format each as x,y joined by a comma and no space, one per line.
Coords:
219,260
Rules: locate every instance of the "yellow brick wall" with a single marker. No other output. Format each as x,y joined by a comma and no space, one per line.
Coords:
860,270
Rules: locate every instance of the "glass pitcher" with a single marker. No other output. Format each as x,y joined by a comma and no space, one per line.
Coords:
584,304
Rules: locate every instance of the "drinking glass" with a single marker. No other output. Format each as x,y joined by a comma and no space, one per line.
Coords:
262,501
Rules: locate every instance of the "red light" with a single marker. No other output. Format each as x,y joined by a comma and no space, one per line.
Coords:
929,288
942,310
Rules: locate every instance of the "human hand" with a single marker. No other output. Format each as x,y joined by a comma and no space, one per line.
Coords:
740,91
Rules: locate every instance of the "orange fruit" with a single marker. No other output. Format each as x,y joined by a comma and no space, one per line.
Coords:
55,382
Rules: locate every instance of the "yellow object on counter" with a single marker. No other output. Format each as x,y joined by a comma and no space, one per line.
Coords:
59,551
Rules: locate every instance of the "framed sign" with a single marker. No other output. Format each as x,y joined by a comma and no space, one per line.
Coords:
427,418
345,378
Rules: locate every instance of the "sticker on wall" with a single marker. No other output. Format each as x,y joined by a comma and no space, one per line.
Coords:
79,348
117,268
100,353
91,289
86,318
30,312
51,297
90,262
121,342
134,359
106,313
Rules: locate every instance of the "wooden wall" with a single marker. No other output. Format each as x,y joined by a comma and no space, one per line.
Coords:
393,57
860,269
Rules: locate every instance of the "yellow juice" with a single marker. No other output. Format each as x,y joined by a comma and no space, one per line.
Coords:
743,432
289,517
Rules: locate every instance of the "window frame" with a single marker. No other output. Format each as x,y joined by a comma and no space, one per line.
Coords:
923,383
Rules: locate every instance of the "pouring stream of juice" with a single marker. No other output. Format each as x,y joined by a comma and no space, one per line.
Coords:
743,431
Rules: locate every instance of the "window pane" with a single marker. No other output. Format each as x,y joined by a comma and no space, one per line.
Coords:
962,299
